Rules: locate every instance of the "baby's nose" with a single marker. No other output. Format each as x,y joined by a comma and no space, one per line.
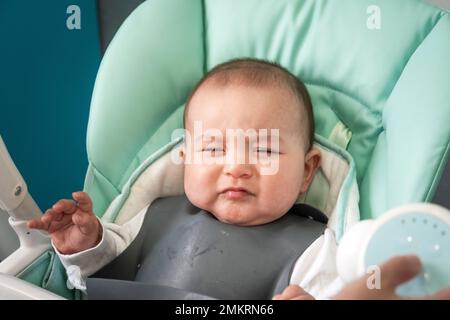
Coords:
238,170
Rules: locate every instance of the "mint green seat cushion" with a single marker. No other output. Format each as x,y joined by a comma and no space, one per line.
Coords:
388,87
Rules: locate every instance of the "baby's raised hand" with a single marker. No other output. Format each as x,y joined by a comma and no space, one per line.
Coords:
72,225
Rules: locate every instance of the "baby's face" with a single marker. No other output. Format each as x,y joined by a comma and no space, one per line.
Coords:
241,192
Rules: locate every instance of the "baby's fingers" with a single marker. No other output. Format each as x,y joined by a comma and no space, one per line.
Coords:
293,291
45,220
84,201
65,206
88,224
37,224
303,297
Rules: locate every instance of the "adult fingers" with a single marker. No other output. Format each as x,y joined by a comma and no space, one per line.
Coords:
398,270
443,294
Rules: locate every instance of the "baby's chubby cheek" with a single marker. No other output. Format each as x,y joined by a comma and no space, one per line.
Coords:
198,188
278,193
274,203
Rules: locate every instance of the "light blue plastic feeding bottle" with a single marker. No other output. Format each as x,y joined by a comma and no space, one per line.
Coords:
422,229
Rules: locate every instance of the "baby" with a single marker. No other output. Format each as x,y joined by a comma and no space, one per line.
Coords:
244,94
249,95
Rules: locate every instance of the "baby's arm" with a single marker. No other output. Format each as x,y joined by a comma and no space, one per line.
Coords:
115,239
293,292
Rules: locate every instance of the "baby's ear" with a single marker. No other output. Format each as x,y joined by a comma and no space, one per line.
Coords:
313,161
182,152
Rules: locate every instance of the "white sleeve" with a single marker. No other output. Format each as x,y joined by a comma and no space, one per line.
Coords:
115,239
315,271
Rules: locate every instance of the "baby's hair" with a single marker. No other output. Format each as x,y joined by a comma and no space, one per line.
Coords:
258,73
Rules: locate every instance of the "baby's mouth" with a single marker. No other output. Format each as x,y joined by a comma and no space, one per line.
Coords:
234,193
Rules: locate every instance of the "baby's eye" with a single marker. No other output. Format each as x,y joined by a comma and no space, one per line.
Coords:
213,150
265,150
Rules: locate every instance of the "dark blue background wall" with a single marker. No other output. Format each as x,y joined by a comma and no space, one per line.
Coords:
47,74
